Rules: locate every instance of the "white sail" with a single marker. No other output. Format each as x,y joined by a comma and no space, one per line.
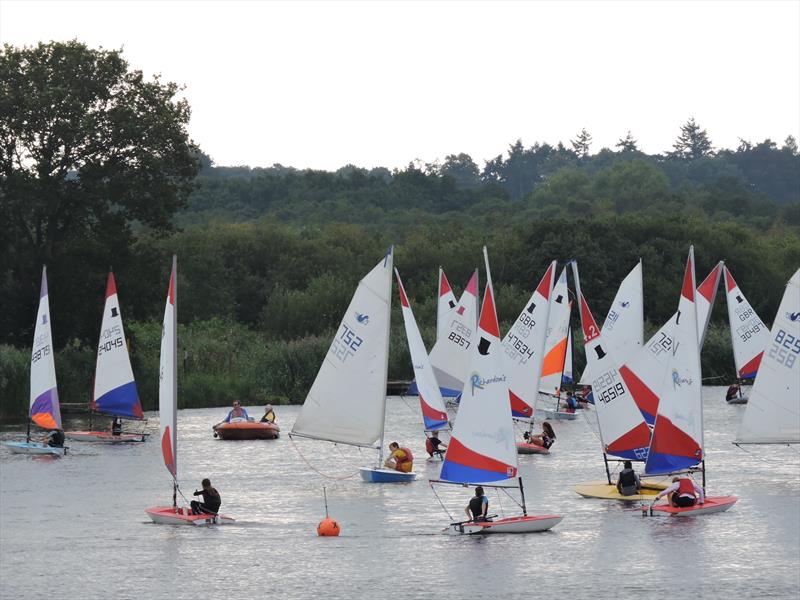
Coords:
749,335
623,329
168,377
524,348
446,302
450,355
706,294
434,413
623,431
482,446
555,349
45,409
772,415
347,402
678,433
115,390
567,377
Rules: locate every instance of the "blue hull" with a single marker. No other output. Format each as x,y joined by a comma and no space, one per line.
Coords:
385,476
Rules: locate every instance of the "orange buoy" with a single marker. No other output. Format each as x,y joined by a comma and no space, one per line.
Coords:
328,527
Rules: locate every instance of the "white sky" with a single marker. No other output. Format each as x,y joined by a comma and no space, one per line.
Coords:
321,85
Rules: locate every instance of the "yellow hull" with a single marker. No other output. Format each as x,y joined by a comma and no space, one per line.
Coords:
601,489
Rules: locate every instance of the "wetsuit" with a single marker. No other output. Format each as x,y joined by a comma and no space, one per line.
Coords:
210,503
55,439
476,505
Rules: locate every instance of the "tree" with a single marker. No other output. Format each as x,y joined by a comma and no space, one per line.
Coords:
582,143
692,143
628,144
87,147
790,145
462,169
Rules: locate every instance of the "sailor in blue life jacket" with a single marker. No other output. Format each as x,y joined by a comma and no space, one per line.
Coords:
683,493
571,402
478,507
628,483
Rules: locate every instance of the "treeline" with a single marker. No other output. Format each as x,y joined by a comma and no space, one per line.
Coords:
260,301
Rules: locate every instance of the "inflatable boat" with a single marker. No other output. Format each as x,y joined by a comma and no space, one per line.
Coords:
246,430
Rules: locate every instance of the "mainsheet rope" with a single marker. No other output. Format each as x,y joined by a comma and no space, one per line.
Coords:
317,471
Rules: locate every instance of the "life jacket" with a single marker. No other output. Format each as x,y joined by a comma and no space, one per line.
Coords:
407,458
476,506
428,446
627,478
686,487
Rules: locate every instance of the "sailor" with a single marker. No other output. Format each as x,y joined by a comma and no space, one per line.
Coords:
211,500
54,438
683,493
571,402
628,482
116,426
544,439
400,459
269,414
433,445
733,392
478,507
237,412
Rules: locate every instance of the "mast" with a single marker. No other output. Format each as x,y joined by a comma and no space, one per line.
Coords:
522,495
175,377
388,258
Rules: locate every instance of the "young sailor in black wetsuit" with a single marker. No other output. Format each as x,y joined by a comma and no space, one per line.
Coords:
211,500
478,507
628,483
54,439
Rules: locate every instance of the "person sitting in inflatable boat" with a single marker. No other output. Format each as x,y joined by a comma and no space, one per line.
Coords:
237,413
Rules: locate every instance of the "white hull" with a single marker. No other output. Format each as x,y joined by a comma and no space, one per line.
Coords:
33,448
739,400
554,415
528,524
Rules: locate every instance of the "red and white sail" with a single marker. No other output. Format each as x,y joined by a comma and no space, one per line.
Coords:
772,415
168,377
748,332
434,414
450,355
524,348
446,302
623,431
706,294
677,442
555,349
482,447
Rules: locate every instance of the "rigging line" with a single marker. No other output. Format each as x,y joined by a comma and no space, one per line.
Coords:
513,499
317,471
589,426
403,398
753,454
433,489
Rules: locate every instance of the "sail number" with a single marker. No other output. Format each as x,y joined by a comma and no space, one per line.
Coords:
746,332
745,314
460,334
607,386
611,393
110,344
40,353
346,344
457,339
516,349
785,341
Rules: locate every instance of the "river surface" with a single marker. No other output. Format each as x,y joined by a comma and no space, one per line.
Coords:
75,527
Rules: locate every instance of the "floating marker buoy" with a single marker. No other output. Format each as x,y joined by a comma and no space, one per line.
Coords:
327,527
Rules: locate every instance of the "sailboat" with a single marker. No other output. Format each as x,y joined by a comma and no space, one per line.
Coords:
115,392
45,410
168,415
523,348
434,413
677,440
347,401
482,448
555,352
445,302
773,414
623,328
749,335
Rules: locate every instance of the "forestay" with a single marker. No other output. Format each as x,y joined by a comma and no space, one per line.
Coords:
434,414
523,346
677,442
772,415
482,447
168,377
347,401
555,349
749,335
45,409
115,390
623,329
446,301
450,354
623,431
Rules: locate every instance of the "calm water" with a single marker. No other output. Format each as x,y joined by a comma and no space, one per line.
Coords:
75,527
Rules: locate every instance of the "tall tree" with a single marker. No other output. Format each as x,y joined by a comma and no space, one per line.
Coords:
87,147
581,144
627,144
692,143
790,145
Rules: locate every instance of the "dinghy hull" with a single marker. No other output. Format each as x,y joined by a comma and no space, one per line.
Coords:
557,415
606,491
524,448
713,504
247,430
371,475
104,436
738,400
34,448
169,515
527,524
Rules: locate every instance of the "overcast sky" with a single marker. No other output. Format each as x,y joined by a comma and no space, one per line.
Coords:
321,85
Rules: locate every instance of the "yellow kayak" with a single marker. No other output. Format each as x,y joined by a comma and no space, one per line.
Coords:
601,489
